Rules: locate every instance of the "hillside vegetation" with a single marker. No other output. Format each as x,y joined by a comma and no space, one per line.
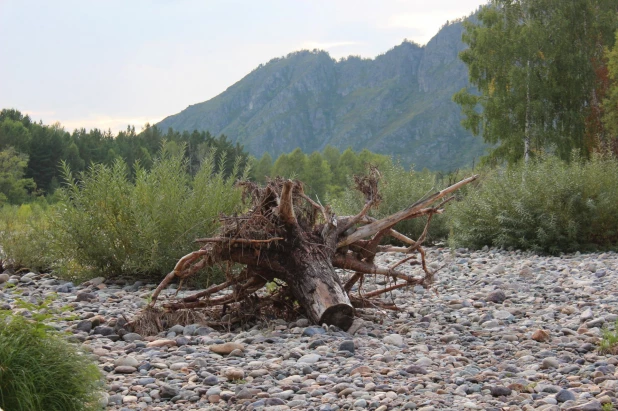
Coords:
398,104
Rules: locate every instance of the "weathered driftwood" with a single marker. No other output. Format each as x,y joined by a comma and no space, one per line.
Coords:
288,238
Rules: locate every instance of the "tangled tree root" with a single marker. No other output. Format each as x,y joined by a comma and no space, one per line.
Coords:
294,244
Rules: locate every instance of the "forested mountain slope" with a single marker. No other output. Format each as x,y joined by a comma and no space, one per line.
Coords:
398,104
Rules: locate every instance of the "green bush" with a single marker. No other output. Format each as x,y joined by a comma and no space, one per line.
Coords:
24,236
109,225
546,206
399,189
40,370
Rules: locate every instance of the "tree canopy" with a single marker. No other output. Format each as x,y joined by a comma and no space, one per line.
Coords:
32,152
536,65
42,147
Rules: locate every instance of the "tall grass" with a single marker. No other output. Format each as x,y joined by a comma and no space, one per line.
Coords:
547,206
24,236
109,225
40,371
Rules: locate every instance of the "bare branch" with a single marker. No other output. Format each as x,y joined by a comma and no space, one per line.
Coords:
385,290
209,291
180,266
317,206
398,263
408,213
348,262
353,280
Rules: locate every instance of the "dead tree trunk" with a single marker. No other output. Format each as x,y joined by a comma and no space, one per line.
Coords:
314,283
289,239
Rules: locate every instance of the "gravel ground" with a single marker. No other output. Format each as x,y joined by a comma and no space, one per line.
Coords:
498,331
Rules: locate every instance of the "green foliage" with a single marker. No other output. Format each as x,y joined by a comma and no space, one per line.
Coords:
534,64
610,103
262,169
548,206
324,174
24,236
43,147
609,342
317,174
109,225
14,188
399,189
41,371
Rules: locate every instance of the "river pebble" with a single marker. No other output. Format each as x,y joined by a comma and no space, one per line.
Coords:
499,330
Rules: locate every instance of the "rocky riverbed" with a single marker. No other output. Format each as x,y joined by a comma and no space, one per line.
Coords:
498,331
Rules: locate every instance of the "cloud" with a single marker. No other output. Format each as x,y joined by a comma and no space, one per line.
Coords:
36,113
310,45
421,26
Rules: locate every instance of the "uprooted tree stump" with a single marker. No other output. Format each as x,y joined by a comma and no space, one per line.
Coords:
290,240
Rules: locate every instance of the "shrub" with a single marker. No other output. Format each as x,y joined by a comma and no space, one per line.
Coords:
39,370
546,206
399,189
109,225
24,236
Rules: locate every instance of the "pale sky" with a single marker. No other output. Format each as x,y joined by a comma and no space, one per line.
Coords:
110,63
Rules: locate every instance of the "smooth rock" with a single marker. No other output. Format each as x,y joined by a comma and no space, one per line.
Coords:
126,361
362,370
498,390
309,359
565,395
233,374
347,345
497,297
540,336
131,337
227,348
162,343
394,339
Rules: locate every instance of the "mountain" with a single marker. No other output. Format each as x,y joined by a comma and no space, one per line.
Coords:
398,104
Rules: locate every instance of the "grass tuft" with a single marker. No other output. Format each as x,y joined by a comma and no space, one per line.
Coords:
41,371
609,341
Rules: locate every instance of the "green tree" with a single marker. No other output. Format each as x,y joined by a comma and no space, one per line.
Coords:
13,186
533,63
366,158
263,168
332,155
47,149
13,133
610,103
290,165
349,164
317,175
73,158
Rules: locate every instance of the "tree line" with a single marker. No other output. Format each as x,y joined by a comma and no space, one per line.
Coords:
325,173
31,154
546,77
